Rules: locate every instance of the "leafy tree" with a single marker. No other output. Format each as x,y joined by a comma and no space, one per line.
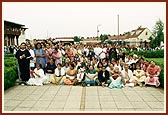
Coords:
103,37
77,39
158,33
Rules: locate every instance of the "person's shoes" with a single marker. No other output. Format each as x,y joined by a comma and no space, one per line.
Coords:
83,84
88,85
22,84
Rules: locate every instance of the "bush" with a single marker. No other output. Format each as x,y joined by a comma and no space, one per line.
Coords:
10,71
147,53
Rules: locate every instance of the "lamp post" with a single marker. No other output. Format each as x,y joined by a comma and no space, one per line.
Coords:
98,30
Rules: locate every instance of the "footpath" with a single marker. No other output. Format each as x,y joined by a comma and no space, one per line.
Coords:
57,98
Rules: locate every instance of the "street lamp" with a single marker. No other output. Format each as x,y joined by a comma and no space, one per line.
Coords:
98,30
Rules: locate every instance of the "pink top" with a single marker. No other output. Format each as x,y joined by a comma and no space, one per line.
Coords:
153,70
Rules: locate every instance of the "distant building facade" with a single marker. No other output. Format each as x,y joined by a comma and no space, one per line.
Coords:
136,37
14,33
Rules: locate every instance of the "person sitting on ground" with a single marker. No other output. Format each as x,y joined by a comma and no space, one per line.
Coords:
103,77
50,69
127,75
139,75
81,74
99,67
153,73
66,67
59,75
90,76
38,77
71,75
110,68
116,79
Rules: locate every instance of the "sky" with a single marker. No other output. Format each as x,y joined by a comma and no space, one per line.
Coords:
69,19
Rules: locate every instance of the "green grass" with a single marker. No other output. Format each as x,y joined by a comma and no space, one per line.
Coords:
157,60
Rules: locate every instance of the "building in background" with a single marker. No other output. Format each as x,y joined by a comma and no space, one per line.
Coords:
136,37
14,33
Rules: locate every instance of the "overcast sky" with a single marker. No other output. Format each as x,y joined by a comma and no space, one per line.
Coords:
81,19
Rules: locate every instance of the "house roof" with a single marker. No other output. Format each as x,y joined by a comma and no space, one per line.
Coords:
136,33
132,34
90,39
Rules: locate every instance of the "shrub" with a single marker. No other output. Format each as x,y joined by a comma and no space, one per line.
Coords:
10,71
147,53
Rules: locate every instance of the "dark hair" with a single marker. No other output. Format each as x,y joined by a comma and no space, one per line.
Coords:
99,64
72,65
23,43
59,64
40,65
38,44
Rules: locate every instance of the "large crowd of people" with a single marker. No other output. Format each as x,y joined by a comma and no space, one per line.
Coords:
103,65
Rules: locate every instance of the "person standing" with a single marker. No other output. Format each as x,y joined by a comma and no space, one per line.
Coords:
23,56
40,55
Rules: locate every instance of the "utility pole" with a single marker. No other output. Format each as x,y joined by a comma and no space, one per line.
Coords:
98,30
118,28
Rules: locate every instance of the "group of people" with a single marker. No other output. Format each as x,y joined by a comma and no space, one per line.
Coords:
87,65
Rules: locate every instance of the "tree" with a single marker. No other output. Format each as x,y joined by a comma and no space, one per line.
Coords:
103,37
77,39
158,33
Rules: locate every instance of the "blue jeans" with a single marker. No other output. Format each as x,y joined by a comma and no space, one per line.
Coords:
90,82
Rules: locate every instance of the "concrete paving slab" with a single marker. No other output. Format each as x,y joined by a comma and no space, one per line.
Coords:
124,104
120,98
116,92
155,105
93,110
149,98
46,97
33,97
72,105
9,108
130,93
12,103
91,98
42,103
110,110
132,98
108,105
106,98
22,109
139,105
20,97
53,110
56,105
38,109
59,98
159,98
156,93
27,104
92,105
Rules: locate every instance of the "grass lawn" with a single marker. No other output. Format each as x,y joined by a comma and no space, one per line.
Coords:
157,60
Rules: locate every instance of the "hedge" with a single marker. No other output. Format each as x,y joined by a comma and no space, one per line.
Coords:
10,71
147,53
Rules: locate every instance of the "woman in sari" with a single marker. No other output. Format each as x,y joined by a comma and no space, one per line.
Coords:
153,72
71,75
38,77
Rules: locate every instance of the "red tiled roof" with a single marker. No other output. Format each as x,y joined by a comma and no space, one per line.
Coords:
120,37
136,35
127,36
90,39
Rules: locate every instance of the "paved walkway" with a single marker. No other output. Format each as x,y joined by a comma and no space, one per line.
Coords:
52,98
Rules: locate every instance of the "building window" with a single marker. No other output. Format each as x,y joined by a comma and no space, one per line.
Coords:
146,33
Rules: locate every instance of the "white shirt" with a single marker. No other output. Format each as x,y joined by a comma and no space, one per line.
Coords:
57,72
